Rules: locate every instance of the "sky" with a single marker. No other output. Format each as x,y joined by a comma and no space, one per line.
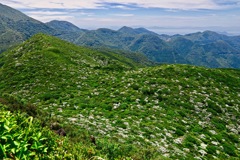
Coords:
161,16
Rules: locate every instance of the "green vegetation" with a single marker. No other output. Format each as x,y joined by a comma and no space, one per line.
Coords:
16,27
134,112
206,48
22,139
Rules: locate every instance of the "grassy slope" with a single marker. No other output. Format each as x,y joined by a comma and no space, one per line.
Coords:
170,110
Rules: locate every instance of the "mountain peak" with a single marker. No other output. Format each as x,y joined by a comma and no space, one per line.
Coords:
130,30
63,25
125,28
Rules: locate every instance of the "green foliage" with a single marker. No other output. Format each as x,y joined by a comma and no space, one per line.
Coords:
190,141
214,106
229,149
214,50
180,130
161,112
219,124
22,139
211,149
15,104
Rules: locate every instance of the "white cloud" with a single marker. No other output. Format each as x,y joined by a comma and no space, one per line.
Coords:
123,15
93,4
174,13
50,18
46,13
46,16
172,4
52,3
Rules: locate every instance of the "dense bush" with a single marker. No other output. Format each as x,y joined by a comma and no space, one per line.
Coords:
21,138
229,149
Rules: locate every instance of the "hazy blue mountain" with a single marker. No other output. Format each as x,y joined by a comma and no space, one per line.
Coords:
16,27
202,48
129,30
64,26
207,48
66,30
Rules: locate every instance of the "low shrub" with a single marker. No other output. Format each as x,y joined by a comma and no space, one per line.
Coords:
229,149
22,139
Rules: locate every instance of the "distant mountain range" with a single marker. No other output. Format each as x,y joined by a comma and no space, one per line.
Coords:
207,48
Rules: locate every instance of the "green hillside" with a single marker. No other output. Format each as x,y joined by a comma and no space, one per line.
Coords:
45,58
15,27
160,112
208,48
66,30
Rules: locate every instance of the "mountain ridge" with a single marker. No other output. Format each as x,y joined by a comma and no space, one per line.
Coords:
16,27
203,48
206,48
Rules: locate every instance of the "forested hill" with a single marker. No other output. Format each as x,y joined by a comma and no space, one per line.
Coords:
208,48
16,27
132,111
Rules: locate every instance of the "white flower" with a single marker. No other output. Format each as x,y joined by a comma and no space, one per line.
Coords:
162,149
116,105
18,64
184,122
76,107
91,117
202,152
202,124
59,109
178,140
203,145
202,136
186,150
72,119
169,135
214,143
212,131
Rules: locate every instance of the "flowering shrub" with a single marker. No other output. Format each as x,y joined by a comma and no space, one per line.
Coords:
167,111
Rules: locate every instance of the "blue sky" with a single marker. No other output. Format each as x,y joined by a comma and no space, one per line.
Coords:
161,16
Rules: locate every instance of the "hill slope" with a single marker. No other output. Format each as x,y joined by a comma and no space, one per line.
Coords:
66,30
172,111
207,48
15,27
52,57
